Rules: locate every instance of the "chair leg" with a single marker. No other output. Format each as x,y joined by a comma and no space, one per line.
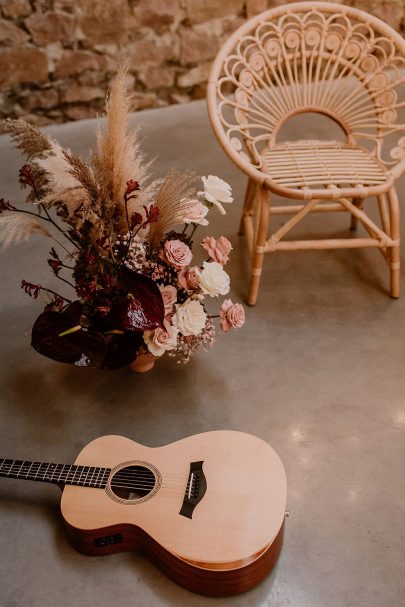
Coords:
394,233
385,219
358,202
248,203
262,218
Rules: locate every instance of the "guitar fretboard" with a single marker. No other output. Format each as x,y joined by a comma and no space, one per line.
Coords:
59,474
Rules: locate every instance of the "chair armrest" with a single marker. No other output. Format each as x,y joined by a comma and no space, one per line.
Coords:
398,169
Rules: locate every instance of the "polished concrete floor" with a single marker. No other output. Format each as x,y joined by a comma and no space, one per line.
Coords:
318,371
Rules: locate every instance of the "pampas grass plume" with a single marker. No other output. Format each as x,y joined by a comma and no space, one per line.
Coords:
16,227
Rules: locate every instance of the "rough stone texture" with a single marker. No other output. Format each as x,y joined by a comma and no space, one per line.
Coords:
75,62
254,7
22,65
80,112
58,57
390,11
46,99
159,15
203,10
50,27
151,50
104,21
155,77
194,76
199,45
10,34
15,8
81,93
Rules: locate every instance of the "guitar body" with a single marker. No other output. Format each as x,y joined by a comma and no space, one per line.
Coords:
209,513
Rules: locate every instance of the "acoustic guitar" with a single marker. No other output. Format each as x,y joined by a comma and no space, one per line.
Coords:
208,509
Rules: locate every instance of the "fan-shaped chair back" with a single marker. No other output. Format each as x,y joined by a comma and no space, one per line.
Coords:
308,57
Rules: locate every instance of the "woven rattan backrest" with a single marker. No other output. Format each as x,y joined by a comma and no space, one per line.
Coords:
318,57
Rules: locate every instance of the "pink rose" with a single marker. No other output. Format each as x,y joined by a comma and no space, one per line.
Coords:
231,315
196,214
189,279
169,295
177,254
218,250
160,340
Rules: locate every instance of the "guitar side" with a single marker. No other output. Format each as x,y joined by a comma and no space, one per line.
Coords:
210,582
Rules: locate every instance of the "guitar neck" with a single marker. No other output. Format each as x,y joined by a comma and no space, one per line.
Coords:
58,474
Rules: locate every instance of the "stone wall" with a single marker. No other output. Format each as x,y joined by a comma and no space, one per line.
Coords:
57,57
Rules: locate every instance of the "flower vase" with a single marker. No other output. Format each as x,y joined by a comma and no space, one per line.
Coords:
142,363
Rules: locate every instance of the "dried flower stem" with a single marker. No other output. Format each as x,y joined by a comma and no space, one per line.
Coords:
57,294
66,281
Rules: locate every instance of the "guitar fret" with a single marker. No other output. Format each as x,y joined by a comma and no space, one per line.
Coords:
29,470
68,471
83,468
105,477
92,475
98,474
84,476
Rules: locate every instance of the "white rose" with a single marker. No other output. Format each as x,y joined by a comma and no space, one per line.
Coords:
191,317
161,340
216,191
214,280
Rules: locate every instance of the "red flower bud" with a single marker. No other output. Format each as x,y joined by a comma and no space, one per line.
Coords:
132,186
136,220
56,265
152,215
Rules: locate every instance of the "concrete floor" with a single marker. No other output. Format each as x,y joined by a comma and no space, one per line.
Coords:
318,372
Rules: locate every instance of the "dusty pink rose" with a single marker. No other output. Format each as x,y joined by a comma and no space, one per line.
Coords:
218,249
177,254
196,214
189,279
169,295
232,316
160,340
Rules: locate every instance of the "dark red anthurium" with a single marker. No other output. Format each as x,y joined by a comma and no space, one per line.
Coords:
142,309
70,337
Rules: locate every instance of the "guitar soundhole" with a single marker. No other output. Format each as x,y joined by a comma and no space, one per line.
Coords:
133,482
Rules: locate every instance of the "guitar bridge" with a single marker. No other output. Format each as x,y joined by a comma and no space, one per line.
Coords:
195,489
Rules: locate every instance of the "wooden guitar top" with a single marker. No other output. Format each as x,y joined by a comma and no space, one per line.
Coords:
238,517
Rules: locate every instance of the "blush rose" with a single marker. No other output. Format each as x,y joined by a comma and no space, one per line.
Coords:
177,254
189,279
217,249
160,340
232,316
169,296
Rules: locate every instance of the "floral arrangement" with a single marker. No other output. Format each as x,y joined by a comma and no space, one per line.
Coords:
136,287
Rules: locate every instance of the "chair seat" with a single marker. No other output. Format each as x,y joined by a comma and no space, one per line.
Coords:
322,164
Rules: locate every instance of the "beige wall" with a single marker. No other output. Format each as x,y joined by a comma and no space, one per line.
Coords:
57,57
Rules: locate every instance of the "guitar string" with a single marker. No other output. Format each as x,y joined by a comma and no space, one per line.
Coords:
119,485
134,477
122,473
172,489
122,476
145,472
143,486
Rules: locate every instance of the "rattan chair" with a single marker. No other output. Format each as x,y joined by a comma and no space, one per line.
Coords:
313,57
